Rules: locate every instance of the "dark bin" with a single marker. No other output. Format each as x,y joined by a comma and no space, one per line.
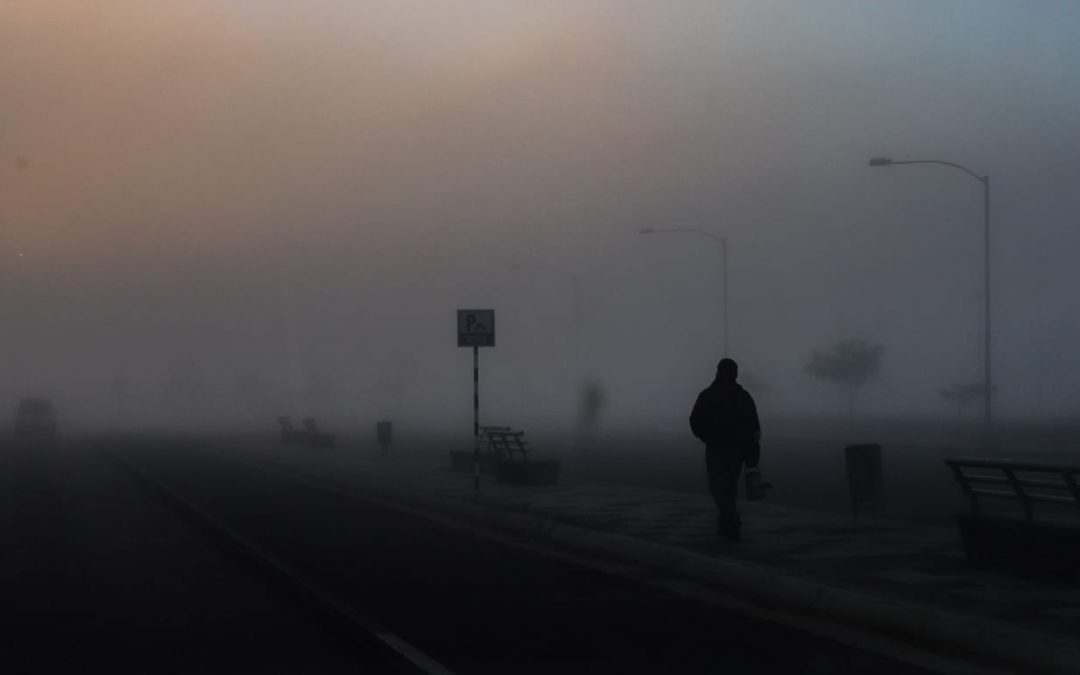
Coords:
864,474
1040,551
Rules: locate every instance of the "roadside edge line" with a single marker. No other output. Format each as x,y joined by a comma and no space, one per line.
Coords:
338,608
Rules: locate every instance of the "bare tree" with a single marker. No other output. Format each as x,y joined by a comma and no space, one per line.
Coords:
849,363
963,393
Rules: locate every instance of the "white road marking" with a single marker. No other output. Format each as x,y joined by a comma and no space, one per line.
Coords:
414,655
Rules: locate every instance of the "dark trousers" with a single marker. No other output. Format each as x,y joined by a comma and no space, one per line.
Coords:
724,468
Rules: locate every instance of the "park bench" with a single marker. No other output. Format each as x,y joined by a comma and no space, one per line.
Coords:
462,460
290,434
511,462
316,438
504,442
1040,538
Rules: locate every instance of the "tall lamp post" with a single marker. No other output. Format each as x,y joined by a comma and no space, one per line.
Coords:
723,253
985,180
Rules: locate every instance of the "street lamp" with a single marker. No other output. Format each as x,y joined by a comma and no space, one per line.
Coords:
723,253
985,180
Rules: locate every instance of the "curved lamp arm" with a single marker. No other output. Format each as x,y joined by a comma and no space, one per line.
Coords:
885,161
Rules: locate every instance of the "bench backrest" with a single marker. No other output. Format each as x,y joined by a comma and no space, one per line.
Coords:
484,431
286,423
507,442
1026,482
309,424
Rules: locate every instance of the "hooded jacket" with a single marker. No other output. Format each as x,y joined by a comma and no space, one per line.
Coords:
726,420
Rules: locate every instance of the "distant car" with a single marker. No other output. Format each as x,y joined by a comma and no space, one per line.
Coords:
35,418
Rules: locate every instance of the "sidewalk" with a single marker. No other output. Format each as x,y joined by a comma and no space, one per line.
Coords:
891,561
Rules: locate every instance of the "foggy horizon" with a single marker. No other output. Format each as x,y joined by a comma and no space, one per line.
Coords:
279,207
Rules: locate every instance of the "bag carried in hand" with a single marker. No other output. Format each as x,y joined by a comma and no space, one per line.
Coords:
756,486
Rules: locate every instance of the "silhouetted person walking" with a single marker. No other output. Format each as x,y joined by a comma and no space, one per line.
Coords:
725,419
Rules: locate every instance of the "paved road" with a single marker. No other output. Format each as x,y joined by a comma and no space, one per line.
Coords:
99,577
478,606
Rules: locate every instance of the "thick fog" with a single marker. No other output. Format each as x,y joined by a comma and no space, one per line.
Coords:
220,212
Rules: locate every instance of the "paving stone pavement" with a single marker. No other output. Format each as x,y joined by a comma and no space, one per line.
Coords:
910,561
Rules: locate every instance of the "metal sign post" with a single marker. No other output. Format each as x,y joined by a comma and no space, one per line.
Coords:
476,415
476,329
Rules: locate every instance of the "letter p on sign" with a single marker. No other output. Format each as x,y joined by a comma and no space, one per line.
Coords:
476,327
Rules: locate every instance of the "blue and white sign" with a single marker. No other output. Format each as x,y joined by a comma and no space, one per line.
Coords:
476,328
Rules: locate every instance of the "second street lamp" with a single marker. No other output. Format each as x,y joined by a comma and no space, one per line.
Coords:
723,254
985,180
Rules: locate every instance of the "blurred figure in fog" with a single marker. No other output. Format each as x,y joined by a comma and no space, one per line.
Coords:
592,404
726,420
590,407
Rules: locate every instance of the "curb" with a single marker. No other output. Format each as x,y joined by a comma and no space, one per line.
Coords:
939,629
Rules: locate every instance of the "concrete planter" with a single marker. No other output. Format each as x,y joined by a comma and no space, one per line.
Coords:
528,472
1047,551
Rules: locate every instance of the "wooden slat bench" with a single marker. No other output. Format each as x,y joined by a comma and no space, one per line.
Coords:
290,434
511,460
462,460
505,442
316,438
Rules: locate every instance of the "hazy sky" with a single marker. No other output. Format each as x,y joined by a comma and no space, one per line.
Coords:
302,193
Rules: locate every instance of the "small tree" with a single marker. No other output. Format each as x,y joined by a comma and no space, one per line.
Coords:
849,363
963,393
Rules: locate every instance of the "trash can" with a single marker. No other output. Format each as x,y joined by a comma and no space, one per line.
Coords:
864,474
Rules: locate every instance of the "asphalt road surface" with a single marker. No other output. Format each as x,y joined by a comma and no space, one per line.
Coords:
99,577
101,572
